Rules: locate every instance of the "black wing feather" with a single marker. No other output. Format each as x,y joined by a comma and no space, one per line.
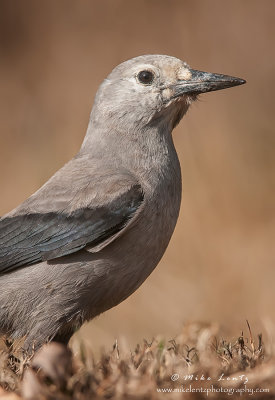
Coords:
31,238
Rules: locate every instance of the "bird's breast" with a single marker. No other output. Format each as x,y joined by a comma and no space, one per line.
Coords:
133,256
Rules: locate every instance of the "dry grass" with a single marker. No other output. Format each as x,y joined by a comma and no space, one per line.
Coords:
199,359
54,54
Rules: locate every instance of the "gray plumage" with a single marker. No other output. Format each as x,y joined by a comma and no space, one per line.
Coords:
90,236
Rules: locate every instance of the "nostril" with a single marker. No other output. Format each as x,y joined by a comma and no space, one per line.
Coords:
184,74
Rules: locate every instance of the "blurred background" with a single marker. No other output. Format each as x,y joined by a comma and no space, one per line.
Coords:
220,263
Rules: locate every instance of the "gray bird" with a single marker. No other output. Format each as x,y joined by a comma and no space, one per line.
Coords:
89,237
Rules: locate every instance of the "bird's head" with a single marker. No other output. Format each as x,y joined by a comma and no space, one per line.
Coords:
153,89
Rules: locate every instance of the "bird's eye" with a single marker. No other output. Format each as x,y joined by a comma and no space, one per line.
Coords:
145,77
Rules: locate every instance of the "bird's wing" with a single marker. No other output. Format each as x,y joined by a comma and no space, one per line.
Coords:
32,237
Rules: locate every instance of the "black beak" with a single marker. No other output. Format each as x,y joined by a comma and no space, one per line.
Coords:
201,82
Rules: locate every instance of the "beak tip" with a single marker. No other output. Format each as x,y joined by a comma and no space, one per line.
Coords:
241,81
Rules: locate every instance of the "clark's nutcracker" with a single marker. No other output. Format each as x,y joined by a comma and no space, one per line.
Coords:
89,237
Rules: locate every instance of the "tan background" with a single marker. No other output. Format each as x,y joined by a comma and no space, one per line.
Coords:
54,54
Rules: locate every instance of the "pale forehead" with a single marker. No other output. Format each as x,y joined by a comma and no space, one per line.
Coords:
170,67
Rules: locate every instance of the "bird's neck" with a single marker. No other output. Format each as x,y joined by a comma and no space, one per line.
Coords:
135,149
